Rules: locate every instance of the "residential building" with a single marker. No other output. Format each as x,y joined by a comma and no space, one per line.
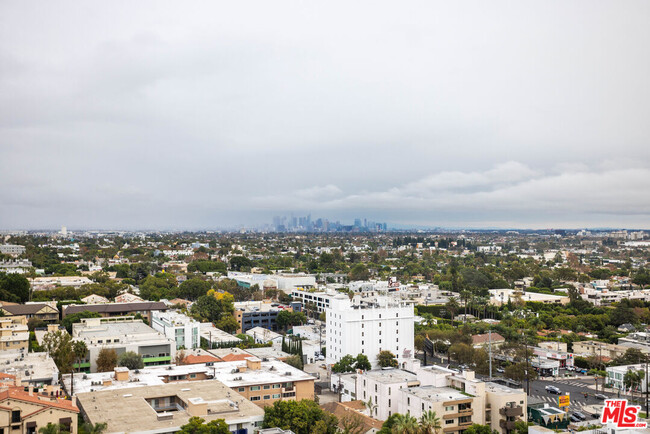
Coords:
564,358
457,397
262,336
217,338
486,340
616,377
123,334
12,249
26,411
43,311
164,408
182,329
638,340
144,308
16,266
289,282
499,297
262,381
37,369
51,282
600,349
14,334
316,302
95,299
369,327
127,297
250,314
354,410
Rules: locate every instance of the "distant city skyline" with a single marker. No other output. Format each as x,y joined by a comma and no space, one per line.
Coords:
224,114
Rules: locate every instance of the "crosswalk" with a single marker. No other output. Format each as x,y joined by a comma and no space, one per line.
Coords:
553,400
572,383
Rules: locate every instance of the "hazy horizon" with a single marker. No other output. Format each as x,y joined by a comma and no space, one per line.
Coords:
173,116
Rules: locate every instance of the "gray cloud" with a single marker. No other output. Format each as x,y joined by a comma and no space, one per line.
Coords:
217,114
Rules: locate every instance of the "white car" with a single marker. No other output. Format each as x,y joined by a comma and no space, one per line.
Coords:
553,389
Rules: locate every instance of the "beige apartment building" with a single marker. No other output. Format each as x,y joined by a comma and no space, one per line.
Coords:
14,333
600,349
24,412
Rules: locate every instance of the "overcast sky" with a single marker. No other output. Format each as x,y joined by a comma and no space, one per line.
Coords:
217,114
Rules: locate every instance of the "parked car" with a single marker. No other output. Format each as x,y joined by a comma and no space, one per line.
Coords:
500,370
579,415
573,418
553,389
601,396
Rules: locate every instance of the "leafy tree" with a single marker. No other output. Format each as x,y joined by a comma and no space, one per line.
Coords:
227,323
518,372
295,361
194,288
238,263
288,318
204,266
14,288
77,317
301,417
352,424
387,426
630,357
131,360
60,347
521,427
386,359
197,425
479,429
346,364
359,272
106,360
363,363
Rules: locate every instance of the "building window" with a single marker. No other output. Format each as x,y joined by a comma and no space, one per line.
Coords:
266,386
15,416
276,396
267,396
255,388
241,389
449,421
255,398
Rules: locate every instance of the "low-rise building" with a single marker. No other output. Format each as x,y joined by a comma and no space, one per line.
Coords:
262,336
43,311
145,308
12,249
600,349
217,338
313,301
250,314
14,334
565,359
260,381
51,282
486,340
500,297
26,411
616,377
164,408
37,369
181,328
123,334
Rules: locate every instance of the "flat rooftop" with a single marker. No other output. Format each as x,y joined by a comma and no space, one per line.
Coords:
40,366
388,376
129,410
436,394
272,371
501,389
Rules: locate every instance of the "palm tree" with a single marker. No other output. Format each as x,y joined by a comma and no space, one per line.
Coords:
51,428
405,424
430,422
89,428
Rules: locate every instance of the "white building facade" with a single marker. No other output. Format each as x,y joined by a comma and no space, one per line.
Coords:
356,327
184,330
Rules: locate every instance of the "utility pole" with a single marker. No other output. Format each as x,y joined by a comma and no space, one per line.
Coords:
646,386
527,365
490,346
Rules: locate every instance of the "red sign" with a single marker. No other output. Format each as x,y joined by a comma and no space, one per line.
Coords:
617,411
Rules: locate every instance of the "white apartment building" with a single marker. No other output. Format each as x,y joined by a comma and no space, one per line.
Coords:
362,327
183,329
457,397
616,377
319,300
12,249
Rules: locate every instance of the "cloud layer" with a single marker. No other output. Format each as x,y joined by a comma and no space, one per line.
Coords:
218,114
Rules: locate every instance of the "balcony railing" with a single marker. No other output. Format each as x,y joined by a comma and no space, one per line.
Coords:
511,411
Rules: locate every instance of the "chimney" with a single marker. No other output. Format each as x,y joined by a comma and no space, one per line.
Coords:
31,390
253,363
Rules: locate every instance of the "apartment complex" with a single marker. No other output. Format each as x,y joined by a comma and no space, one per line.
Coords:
123,334
261,381
369,327
43,311
312,300
250,314
600,349
144,308
164,408
457,397
184,330
26,411
14,334
12,249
